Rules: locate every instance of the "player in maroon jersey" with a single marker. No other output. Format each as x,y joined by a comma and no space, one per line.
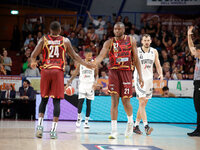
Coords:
121,50
53,47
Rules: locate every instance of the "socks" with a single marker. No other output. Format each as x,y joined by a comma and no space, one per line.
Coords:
40,121
130,119
114,125
54,126
86,119
137,122
145,123
79,116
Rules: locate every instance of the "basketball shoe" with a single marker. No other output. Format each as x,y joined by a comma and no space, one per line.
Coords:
129,130
39,131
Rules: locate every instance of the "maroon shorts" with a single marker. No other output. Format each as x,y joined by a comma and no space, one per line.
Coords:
52,83
120,82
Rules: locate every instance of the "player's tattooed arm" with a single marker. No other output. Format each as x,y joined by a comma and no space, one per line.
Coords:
193,50
103,52
76,72
36,52
137,63
70,51
158,66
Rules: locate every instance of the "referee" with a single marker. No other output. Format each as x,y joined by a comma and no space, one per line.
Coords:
196,53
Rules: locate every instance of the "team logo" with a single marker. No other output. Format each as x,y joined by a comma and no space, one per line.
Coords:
115,45
141,57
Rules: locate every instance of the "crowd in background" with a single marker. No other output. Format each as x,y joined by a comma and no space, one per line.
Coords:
171,44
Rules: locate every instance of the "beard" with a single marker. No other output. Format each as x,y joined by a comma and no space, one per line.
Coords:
146,46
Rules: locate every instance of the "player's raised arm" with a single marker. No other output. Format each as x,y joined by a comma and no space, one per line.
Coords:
36,52
190,42
158,66
70,51
76,72
103,52
137,63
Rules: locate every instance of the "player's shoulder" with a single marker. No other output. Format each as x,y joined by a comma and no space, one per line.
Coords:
153,49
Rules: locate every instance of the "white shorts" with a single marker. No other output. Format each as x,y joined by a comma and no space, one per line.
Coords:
86,91
146,91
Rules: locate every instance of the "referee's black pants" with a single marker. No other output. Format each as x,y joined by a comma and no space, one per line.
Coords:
196,98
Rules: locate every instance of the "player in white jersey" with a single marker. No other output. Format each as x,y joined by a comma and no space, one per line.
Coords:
147,57
88,81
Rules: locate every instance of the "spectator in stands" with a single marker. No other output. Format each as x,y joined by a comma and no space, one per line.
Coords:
67,69
137,38
166,92
103,75
127,25
73,39
39,27
25,65
30,72
8,93
26,28
31,45
164,57
28,39
7,62
99,25
26,91
169,45
151,29
2,69
39,35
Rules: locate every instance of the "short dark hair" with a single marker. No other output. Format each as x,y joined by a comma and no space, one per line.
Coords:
88,50
55,26
27,81
165,88
146,35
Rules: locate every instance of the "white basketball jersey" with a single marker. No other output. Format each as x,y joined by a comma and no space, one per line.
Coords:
146,61
86,74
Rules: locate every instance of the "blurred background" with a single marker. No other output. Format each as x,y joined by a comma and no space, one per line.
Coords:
88,24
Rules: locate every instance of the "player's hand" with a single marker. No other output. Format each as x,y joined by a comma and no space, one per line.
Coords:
190,28
69,82
91,65
34,65
141,81
161,77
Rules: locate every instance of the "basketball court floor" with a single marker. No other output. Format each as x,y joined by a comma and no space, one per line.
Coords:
20,135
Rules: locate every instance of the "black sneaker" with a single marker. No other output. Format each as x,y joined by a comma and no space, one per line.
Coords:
148,130
136,130
194,133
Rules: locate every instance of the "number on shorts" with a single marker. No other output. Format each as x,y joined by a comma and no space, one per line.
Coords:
126,91
54,51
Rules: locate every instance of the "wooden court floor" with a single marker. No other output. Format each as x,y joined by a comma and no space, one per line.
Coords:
20,135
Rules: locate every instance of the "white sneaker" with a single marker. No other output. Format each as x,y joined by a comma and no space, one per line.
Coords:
129,130
113,135
78,122
86,125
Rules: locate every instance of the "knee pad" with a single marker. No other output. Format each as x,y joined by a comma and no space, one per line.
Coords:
43,104
56,111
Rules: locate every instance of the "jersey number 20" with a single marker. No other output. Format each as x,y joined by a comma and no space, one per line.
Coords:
54,51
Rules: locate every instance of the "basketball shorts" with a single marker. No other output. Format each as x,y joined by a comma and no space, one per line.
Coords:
52,83
86,91
120,82
147,89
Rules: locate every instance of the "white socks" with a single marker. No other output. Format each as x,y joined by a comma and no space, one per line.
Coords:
54,126
114,125
79,116
145,123
40,121
130,119
86,119
137,122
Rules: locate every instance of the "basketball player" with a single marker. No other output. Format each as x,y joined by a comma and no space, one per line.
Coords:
88,80
121,50
147,57
53,47
195,51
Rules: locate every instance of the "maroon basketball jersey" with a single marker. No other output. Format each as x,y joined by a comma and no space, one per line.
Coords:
121,54
53,53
